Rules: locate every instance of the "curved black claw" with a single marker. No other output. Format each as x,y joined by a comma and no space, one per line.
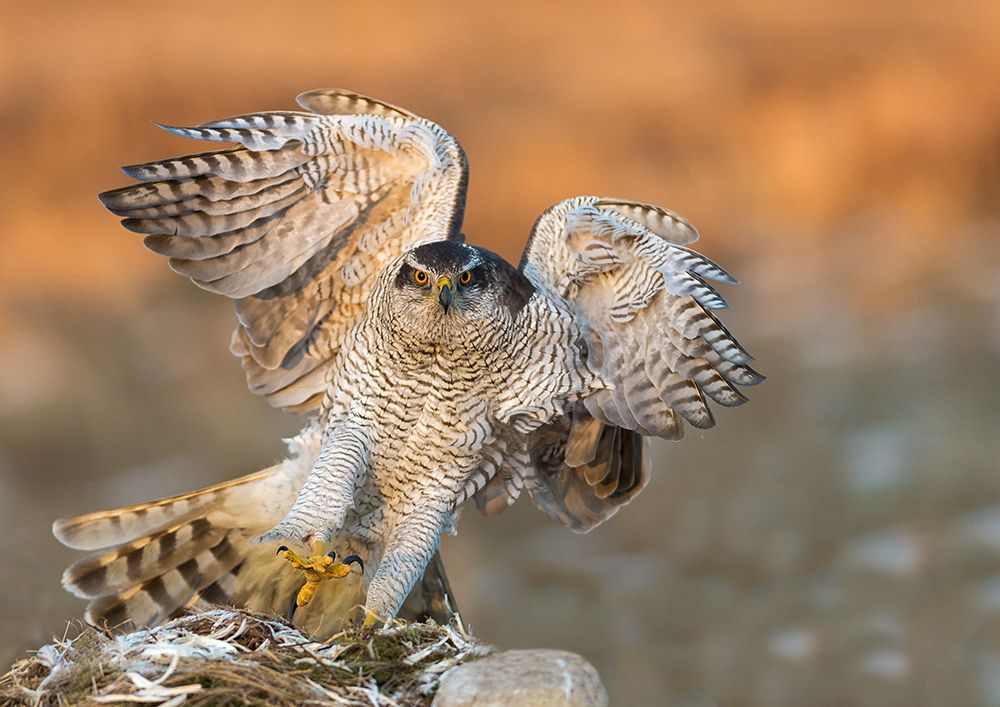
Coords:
281,549
291,610
332,555
354,558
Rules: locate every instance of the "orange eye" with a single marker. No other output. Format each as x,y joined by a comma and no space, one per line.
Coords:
420,277
465,278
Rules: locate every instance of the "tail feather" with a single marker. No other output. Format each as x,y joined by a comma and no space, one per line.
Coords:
166,553
198,549
162,596
94,531
224,591
129,564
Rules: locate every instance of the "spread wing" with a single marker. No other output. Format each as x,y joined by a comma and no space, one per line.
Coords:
644,304
295,222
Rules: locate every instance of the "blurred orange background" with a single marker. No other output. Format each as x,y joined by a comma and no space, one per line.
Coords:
836,541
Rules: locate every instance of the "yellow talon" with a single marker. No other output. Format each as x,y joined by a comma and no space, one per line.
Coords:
371,618
317,567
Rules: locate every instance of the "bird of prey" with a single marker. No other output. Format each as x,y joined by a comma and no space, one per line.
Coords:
433,371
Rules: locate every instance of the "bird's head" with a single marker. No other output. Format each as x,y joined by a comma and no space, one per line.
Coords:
444,287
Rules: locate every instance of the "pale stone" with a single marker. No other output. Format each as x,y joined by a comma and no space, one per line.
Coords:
527,678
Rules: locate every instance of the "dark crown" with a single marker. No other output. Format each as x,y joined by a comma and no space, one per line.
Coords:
444,256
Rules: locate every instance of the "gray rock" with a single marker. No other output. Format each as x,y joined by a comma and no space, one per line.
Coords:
527,678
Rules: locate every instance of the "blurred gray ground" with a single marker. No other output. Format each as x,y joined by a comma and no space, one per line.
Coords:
835,541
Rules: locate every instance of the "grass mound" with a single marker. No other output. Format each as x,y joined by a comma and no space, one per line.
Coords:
233,657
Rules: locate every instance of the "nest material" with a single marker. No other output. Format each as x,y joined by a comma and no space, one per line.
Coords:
232,657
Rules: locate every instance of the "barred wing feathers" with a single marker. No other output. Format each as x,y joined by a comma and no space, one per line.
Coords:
295,221
644,303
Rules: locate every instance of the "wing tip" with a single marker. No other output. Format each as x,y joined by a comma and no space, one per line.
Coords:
116,200
173,129
341,101
139,172
142,226
108,198
748,377
308,99
130,170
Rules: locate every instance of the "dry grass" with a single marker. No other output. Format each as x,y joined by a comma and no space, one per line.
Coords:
228,657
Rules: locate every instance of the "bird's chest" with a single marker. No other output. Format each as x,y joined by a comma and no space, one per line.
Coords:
431,427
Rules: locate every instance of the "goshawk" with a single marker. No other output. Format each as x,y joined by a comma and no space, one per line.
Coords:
433,371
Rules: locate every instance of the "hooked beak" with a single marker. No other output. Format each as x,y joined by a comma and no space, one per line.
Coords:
444,293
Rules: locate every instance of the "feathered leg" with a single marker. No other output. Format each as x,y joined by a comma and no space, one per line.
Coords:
328,493
409,550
